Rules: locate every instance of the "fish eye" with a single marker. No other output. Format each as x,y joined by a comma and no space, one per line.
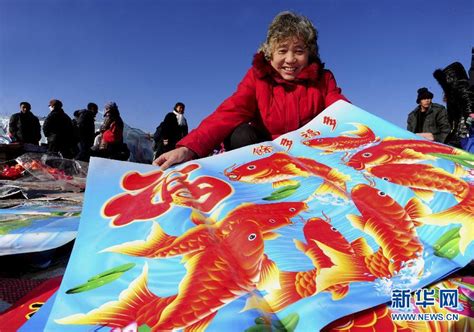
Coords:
333,229
292,209
381,193
251,167
385,178
252,237
366,154
272,221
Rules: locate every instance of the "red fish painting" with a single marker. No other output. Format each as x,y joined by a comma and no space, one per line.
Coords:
269,217
361,136
279,168
424,179
394,150
230,269
390,225
297,285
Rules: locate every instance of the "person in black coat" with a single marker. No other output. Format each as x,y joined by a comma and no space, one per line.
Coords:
86,130
24,126
173,128
59,130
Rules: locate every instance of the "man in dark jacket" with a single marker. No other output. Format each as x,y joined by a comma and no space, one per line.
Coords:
428,119
24,126
59,130
86,125
173,128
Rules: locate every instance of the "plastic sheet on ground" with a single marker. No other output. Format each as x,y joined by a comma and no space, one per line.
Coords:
38,226
68,174
321,223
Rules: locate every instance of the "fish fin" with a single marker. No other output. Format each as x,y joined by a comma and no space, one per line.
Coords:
269,274
283,183
200,326
339,292
390,138
347,268
329,188
426,195
199,219
144,248
459,171
122,312
189,256
271,236
361,247
301,246
356,221
288,293
361,131
416,209
292,168
257,302
310,251
412,154
338,177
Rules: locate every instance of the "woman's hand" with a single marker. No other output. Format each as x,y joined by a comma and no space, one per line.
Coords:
176,156
428,136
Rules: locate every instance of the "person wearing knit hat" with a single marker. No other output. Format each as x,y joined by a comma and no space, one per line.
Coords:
428,119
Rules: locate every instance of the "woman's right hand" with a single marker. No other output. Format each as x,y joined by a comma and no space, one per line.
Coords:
176,156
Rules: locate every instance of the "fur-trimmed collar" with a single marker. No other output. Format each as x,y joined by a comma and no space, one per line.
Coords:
263,68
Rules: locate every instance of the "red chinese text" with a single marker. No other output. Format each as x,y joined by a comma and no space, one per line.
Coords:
262,149
288,143
310,133
330,122
151,195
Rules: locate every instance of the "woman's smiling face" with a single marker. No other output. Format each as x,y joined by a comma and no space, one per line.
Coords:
289,58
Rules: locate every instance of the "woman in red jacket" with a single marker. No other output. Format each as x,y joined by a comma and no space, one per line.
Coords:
286,87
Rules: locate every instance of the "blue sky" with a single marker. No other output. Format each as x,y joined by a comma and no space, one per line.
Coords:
147,55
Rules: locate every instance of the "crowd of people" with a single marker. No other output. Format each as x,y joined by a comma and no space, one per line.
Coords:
72,138
286,87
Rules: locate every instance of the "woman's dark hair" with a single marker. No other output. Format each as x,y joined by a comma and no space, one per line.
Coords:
179,104
459,94
27,104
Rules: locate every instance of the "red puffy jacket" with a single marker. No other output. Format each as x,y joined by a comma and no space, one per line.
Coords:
264,98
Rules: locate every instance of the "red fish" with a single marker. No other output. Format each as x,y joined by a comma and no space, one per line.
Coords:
399,151
268,217
344,142
326,247
214,278
423,179
390,225
279,167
